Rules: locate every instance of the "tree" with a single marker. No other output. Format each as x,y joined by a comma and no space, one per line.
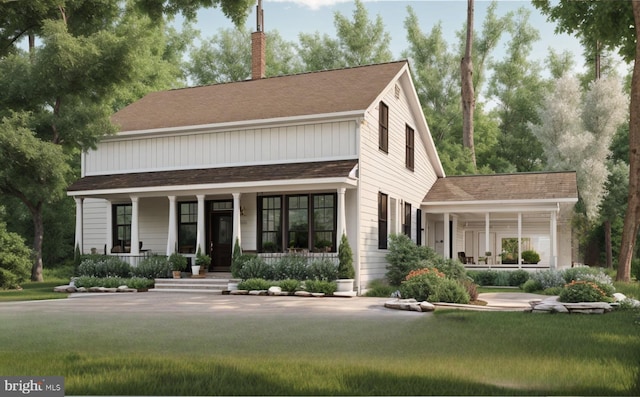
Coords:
467,93
15,258
609,22
57,98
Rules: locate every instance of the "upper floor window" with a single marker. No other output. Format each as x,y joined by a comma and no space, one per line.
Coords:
383,219
407,219
409,148
383,130
122,227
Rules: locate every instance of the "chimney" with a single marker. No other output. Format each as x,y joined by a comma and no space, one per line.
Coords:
258,46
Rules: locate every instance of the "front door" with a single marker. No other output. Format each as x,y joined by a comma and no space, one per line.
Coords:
221,234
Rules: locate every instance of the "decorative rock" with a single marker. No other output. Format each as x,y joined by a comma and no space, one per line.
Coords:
317,294
274,291
409,304
258,292
82,289
302,293
239,292
619,297
427,307
122,287
552,305
415,308
65,288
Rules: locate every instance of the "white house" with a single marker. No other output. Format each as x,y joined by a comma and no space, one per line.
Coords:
293,162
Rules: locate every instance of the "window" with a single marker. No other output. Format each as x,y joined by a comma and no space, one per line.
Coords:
383,131
409,148
122,227
407,219
418,226
297,221
187,227
382,220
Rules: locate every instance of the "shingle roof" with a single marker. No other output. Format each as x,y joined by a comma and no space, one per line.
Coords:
322,92
327,169
504,187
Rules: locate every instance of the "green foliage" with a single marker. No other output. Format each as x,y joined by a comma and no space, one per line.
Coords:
471,288
483,277
548,278
452,268
113,282
448,290
237,259
289,266
421,287
530,256
320,286
202,259
155,266
178,262
345,259
582,291
15,259
256,284
532,286
322,269
289,285
102,266
380,289
518,277
255,267
403,256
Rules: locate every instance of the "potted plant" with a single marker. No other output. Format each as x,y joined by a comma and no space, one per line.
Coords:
530,257
346,273
178,264
202,261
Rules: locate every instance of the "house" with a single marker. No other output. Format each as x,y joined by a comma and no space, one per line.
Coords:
292,163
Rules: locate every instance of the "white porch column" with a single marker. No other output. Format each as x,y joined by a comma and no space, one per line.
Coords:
135,238
342,219
519,239
236,220
79,223
447,241
553,241
201,232
172,232
109,214
487,240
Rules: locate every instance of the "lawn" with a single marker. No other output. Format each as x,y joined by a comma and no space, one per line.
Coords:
446,353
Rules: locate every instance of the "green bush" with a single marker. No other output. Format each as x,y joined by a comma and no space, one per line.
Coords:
237,259
379,289
518,277
548,278
113,282
502,278
178,262
472,289
452,268
345,259
258,284
15,259
532,286
421,287
255,267
450,291
290,285
155,266
320,286
483,277
322,269
583,291
104,266
289,266
403,257
530,256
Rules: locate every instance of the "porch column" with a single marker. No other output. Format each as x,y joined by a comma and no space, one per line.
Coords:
236,220
109,215
79,223
342,220
135,238
200,225
553,241
172,232
487,240
519,240
447,241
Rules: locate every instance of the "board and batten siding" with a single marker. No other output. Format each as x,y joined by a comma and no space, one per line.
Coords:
305,142
387,173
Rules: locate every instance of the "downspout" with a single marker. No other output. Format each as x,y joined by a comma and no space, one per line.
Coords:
358,244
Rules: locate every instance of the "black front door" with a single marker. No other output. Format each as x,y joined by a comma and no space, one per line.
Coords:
221,234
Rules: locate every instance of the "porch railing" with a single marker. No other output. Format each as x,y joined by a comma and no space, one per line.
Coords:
131,259
273,257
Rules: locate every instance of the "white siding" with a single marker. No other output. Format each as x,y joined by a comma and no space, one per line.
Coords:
94,225
308,142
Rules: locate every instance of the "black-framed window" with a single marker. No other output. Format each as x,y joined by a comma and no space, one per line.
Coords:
122,227
409,148
407,219
301,221
383,128
383,219
418,226
187,227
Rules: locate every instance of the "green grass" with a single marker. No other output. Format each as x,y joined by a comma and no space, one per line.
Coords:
40,290
449,353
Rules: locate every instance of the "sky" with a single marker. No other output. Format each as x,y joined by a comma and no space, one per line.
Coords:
292,17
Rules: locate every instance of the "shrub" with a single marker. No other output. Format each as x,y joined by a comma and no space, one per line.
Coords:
256,284
531,286
345,259
379,289
15,259
290,285
471,288
451,291
104,266
255,267
483,277
322,269
155,266
289,266
421,286
178,262
518,277
582,291
502,278
237,259
548,278
403,257
530,256
113,282
452,268
320,286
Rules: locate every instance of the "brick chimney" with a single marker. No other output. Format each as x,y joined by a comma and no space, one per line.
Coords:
258,46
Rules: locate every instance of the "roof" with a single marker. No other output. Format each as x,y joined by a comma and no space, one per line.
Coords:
322,92
293,171
504,187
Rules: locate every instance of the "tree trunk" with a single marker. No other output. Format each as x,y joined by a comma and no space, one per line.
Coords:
468,95
607,243
632,216
38,235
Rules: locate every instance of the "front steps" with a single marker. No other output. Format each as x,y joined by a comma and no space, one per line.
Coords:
210,284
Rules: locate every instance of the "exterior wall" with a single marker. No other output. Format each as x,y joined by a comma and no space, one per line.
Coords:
305,142
387,173
94,225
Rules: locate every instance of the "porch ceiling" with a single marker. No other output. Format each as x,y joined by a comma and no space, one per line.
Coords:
212,177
